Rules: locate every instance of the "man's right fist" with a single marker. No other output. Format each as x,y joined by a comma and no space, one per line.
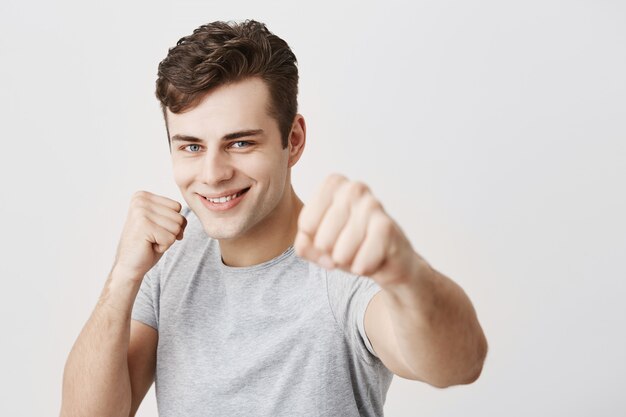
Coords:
153,224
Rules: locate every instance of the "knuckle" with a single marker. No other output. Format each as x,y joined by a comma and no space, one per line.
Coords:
387,225
366,270
372,203
335,179
358,189
367,205
166,240
340,258
139,195
138,200
321,243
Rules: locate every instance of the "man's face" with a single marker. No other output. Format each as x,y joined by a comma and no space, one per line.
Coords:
229,146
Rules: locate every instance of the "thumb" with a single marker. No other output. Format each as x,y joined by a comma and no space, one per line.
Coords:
179,236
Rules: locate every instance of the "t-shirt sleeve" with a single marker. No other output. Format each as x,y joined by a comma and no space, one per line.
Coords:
349,296
146,306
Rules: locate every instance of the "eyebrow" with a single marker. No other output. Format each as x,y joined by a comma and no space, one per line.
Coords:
229,136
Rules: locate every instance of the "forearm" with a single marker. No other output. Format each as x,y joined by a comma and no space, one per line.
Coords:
436,328
96,379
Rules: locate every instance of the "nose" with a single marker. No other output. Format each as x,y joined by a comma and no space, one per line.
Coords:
216,167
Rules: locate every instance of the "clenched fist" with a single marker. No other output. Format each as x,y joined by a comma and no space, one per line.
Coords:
153,224
344,226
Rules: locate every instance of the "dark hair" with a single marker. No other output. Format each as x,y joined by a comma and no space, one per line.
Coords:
219,53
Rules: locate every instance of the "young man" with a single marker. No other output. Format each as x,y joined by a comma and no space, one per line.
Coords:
246,302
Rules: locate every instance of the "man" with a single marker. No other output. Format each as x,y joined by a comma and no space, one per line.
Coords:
246,302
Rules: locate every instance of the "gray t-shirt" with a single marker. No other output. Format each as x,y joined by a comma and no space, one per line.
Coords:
281,338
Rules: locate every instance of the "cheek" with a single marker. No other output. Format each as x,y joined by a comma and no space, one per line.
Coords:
181,173
261,169
276,171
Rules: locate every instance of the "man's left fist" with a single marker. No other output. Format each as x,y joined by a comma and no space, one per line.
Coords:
346,227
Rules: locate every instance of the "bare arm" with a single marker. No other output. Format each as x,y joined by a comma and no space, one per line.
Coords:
422,325
111,365
141,361
427,330
96,379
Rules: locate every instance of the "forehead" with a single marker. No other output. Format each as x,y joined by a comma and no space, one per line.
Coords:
240,105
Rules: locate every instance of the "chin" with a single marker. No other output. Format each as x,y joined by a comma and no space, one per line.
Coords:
222,233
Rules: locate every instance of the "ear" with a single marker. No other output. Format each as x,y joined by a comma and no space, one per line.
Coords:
297,139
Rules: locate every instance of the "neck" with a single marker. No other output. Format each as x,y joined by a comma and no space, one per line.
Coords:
270,239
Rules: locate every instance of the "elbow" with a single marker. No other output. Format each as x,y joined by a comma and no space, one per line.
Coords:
470,373
473,376
464,379
478,363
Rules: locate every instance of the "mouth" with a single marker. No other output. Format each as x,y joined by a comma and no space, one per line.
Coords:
225,199
224,203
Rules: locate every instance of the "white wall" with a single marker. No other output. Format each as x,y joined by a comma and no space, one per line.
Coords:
494,132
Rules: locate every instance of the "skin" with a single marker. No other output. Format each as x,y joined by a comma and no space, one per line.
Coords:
421,325
211,166
112,363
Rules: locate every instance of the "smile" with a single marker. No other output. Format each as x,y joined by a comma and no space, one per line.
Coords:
225,202
227,198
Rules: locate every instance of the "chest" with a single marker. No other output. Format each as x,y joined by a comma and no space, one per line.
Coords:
225,343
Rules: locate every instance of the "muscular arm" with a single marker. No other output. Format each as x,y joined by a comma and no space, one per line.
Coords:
96,379
111,365
422,325
426,329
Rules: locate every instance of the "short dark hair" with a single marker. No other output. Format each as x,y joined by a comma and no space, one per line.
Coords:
219,53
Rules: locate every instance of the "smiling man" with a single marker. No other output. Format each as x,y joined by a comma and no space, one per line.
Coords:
233,172
245,301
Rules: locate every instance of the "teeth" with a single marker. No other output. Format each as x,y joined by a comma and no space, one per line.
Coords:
222,199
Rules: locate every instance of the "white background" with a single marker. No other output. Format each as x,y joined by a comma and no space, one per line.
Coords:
493,132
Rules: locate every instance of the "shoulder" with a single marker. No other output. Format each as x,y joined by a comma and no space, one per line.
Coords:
344,283
349,294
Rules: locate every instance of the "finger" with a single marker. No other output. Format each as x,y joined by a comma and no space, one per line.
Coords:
334,219
312,214
160,238
168,212
165,222
182,229
304,248
167,202
353,234
372,252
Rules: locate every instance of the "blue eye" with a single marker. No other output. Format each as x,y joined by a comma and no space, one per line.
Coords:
241,141
198,146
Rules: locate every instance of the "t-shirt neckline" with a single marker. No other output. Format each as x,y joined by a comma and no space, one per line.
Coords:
245,269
